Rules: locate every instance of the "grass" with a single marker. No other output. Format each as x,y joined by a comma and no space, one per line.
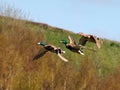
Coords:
95,71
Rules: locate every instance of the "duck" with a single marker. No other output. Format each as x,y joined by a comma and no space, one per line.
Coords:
72,46
89,38
50,48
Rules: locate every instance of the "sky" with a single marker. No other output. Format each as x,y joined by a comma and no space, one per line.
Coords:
97,17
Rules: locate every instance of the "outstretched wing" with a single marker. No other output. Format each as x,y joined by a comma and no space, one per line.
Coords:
83,40
95,40
87,37
72,41
62,58
39,55
59,52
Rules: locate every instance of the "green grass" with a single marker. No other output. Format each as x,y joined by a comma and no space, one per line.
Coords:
18,72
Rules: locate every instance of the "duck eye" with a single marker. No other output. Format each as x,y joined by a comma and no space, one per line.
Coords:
97,38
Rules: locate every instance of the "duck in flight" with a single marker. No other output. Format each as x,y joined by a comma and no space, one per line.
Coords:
89,38
51,48
72,46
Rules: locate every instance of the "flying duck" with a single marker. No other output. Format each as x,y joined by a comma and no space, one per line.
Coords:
51,48
72,46
88,37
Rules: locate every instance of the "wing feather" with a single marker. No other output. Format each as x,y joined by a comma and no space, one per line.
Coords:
95,40
39,55
83,40
87,37
72,41
62,58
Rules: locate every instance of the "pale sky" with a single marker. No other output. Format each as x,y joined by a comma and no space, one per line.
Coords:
97,17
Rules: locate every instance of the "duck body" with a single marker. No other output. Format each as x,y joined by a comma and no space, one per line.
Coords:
72,46
51,48
88,37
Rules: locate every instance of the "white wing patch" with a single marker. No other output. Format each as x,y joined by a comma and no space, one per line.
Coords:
62,58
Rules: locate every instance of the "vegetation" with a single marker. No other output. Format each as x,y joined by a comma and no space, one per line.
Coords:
98,70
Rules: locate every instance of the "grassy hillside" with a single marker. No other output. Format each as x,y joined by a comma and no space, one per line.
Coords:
95,71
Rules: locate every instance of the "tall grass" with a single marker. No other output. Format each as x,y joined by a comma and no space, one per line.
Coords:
19,72
95,71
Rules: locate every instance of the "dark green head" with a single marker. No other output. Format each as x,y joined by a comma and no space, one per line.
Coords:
42,43
63,41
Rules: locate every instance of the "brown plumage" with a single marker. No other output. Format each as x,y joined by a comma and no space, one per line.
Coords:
87,37
51,48
72,46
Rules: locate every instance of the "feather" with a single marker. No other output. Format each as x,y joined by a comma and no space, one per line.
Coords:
72,41
62,58
39,55
87,37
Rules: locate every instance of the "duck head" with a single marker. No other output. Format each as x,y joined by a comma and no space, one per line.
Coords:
63,41
42,43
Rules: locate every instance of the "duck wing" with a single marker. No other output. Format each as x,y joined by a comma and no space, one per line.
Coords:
83,40
96,40
62,58
88,37
72,41
59,52
39,55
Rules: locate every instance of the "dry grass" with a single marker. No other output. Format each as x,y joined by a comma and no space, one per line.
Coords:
19,72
